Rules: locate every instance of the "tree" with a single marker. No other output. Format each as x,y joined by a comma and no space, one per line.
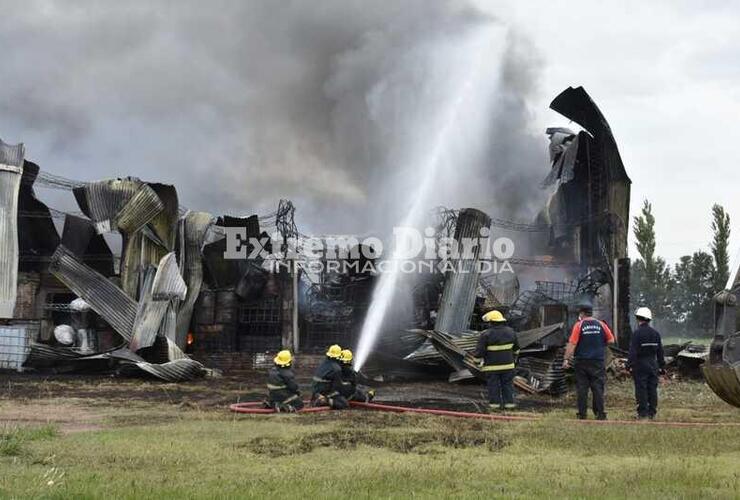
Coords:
720,244
645,235
650,275
692,292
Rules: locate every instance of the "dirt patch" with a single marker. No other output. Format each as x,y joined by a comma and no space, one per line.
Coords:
65,416
401,442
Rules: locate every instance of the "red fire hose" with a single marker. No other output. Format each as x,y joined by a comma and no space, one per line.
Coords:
257,408
445,413
520,418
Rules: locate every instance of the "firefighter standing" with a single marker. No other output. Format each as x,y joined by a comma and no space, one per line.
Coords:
645,361
587,344
349,388
327,381
496,348
283,392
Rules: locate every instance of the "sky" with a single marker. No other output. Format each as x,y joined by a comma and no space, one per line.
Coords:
241,103
666,74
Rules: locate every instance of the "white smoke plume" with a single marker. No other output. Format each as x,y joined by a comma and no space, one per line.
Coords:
241,103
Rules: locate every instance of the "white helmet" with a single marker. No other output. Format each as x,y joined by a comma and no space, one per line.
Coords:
644,313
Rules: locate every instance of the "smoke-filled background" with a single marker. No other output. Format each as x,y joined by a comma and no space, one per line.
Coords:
241,103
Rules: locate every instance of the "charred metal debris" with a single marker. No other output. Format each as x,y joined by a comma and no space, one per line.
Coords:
169,304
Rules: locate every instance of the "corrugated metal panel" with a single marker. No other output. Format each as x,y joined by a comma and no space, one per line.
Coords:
168,284
12,155
193,229
104,199
11,170
166,289
140,209
105,298
458,296
179,370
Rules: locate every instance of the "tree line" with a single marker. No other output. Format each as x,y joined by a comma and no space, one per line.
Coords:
680,296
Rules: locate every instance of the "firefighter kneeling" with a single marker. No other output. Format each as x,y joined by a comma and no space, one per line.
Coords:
283,393
349,388
327,381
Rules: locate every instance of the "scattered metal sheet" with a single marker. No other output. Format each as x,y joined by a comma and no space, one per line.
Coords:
179,370
11,170
461,285
105,298
193,229
143,206
103,200
162,292
550,334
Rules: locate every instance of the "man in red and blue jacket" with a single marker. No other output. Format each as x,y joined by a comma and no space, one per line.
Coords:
587,345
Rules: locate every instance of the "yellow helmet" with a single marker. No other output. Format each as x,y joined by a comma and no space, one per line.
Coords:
346,356
283,358
493,316
334,352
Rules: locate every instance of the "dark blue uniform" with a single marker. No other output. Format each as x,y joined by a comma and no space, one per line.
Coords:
645,360
283,392
349,388
496,347
590,336
327,382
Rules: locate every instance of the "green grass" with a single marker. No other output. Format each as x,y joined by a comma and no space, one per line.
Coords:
113,447
13,439
370,455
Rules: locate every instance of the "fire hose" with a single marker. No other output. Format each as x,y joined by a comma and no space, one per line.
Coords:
525,418
257,408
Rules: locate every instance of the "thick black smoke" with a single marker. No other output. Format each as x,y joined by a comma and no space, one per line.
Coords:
241,103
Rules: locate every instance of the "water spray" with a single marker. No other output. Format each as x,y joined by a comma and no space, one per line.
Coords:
451,116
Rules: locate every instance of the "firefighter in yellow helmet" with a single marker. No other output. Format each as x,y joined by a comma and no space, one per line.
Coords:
496,349
282,390
350,389
327,381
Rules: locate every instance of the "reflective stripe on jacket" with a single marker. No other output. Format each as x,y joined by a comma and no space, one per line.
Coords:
281,384
496,347
646,348
328,377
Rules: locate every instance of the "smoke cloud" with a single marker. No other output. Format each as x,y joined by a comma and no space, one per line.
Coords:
241,103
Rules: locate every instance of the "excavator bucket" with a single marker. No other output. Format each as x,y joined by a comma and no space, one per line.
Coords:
724,381
722,372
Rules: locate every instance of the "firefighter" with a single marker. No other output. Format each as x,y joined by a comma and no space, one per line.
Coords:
327,381
496,349
646,362
283,393
587,346
350,389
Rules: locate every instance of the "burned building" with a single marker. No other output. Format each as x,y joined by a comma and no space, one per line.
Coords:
171,304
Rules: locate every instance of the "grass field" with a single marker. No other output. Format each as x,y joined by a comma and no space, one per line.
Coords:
85,447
